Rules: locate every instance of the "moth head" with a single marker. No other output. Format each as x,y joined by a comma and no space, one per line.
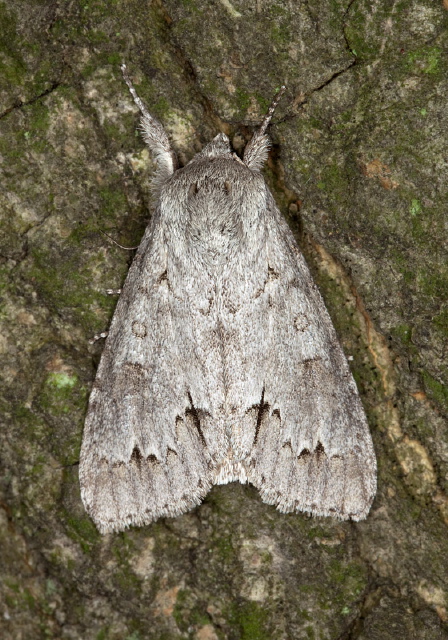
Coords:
219,147
256,151
255,154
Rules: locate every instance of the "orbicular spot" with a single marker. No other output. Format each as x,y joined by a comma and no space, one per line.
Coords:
227,187
139,329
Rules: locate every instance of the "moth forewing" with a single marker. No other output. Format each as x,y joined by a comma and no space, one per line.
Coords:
221,362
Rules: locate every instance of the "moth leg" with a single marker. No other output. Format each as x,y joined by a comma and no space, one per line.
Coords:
103,334
117,243
98,336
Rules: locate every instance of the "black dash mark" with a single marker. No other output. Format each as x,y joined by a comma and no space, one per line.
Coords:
193,412
136,457
263,407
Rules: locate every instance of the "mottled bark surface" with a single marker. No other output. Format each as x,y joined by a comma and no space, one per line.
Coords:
359,167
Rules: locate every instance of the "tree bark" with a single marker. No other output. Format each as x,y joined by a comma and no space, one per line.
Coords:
359,168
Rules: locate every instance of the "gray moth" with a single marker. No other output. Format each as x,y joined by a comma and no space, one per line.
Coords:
221,362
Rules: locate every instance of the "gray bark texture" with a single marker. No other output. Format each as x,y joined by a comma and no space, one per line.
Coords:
359,168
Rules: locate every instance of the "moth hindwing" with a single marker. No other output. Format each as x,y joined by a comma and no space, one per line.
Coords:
221,362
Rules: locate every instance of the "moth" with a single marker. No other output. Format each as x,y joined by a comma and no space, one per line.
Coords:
221,362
